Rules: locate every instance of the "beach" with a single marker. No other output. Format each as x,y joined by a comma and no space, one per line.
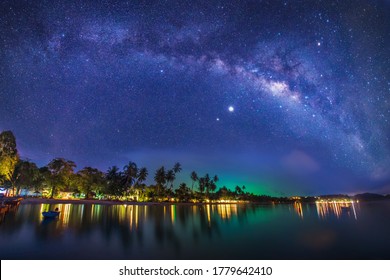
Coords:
112,202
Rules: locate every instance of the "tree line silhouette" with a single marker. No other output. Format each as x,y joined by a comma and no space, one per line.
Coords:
127,183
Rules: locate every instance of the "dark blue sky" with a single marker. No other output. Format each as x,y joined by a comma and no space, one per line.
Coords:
105,82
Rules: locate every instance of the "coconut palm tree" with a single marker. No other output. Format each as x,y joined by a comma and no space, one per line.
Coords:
112,171
170,177
130,172
142,174
194,178
183,193
114,181
202,184
141,177
207,183
177,167
213,186
160,179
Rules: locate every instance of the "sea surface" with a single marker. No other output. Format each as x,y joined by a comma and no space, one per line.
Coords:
223,231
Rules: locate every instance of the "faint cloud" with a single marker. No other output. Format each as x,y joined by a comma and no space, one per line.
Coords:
300,161
380,173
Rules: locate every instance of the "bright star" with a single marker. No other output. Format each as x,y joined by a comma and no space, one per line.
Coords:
231,109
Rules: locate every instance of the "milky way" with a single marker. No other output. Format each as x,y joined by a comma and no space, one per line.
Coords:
282,96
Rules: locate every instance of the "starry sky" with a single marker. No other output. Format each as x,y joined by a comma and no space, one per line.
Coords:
284,97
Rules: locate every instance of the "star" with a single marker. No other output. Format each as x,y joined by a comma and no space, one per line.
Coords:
97,82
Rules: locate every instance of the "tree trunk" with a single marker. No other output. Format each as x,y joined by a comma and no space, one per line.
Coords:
53,188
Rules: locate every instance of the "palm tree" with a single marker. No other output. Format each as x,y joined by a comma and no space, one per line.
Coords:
183,193
194,178
202,184
141,177
130,172
114,181
213,186
142,174
207,183
243,192
160,178
177,167
112,172
170,177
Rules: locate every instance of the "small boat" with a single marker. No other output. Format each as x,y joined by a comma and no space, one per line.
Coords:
51,214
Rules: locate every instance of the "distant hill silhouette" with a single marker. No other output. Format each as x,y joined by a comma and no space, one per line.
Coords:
371,196
335,196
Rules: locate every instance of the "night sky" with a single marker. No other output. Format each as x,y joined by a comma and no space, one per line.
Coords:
284,97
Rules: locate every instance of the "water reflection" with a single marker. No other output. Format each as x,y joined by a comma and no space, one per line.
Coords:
298,209
326,209
226,210
126,219
132,216
170,231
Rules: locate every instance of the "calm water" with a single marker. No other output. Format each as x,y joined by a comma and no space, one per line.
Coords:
296,231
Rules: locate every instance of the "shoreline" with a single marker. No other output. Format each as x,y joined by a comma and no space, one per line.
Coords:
110,202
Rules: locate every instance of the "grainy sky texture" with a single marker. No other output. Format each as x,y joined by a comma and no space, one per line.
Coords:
284,97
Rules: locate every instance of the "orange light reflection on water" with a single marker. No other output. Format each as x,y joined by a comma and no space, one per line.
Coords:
208,214
128,214
298,209
65,211
173,213
226,210
337,208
